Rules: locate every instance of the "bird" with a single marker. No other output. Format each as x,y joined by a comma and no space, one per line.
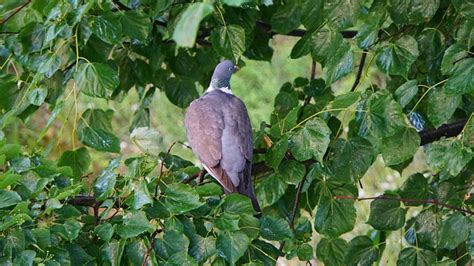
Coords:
219,132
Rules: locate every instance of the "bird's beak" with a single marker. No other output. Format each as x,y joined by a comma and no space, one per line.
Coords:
236,68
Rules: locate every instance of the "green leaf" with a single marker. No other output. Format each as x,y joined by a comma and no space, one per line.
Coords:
368,32
397,58
96,79
401,146
8,198
202,248
137,251
9,91
209,189
26,258
175,242
362,251
425,230
58,107
335,217
227,222
148,140
312,14
104,231
69,230
383,116
341,14
179,259
462,79
339,61
37,96
108,28
8,179
412,12
321,45
331,251
302,46
454,231
405,93
344,101
112,252
229,41
415,256
431,46
449,155
186,29
135,24
275,228
134,224
79,160
42,237
415,187
349,160
231,246
441,106
270,190
104,184
455,53
180,198
140,195
94,130
305,252
236,2
277,152
181,92
249,225
292,171
287,17
311,141
386,214
237,204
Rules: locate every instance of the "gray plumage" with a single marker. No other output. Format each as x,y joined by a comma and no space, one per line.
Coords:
219,131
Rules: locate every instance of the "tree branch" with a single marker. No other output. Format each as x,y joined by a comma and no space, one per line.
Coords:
446,130
406,200
18,9
359,71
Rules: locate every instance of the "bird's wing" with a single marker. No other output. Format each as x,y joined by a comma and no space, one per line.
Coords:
204,123
239,113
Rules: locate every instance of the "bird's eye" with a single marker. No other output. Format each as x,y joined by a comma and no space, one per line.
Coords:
231,69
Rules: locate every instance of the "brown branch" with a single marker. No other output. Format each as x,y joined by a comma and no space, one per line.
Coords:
429,201
18,9
152,240
446,130
359,70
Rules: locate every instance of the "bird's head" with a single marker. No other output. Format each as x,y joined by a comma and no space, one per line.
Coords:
222,74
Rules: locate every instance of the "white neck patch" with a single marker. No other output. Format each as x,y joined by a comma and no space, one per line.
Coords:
223,89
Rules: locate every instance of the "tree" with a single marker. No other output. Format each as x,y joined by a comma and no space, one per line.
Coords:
319,143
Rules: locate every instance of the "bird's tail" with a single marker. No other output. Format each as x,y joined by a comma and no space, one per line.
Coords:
246,187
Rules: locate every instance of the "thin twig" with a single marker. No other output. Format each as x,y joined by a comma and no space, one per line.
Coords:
307,100
430,201
15,12
161,168
152,240
359,71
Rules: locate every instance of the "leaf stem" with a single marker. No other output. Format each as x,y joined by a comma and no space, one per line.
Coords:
426,92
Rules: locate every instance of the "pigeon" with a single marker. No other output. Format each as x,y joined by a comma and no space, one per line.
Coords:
219,132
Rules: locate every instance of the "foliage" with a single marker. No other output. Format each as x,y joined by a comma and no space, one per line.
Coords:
320,141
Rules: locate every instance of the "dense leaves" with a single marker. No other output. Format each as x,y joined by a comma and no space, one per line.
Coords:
66,65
